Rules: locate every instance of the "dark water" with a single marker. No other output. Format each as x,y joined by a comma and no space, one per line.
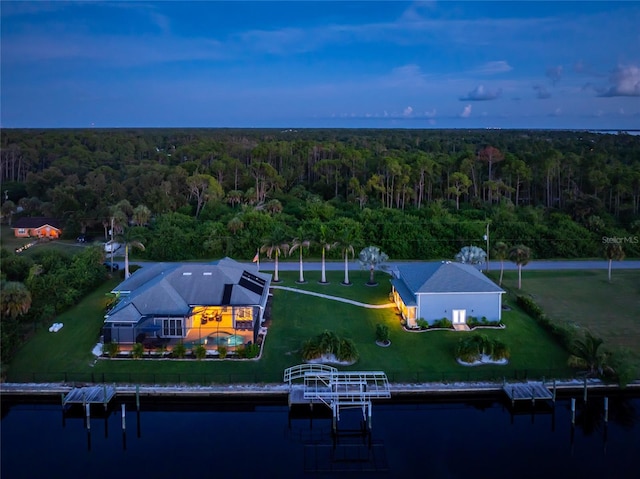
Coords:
459,438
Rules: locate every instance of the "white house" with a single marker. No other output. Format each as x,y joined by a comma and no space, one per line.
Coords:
436,290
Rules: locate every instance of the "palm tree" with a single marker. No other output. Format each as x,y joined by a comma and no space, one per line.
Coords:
299,243
471,255
500,252
370,257
275,245
15,299
141,215
520,255
130,239
585,354
326,244
613,250
346,245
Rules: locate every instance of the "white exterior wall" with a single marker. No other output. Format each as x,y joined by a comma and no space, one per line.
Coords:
435,306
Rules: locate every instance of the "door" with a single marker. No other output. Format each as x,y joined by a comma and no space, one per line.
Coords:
459,316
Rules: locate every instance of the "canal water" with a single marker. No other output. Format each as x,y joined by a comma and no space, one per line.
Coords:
421,437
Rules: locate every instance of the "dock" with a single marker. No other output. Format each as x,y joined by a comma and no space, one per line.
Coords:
89,395
531,391
337,389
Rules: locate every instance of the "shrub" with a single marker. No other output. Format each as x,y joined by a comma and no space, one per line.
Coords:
112,349
382,333
329,343
249,351
471,348
222,352
200,351
137,351
347,351
499,350
179,350
442,323
422,323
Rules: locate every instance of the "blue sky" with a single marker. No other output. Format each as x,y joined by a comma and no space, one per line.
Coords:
393,64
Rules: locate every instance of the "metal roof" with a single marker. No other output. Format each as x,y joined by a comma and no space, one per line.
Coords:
174,288
446,277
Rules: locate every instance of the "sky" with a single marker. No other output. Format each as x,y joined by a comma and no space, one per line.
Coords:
329,64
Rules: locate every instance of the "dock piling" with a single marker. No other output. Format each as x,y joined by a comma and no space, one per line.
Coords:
585,390
124,420
606,409
137,397
573,411
88,412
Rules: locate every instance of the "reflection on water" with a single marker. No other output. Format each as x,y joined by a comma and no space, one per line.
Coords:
417,438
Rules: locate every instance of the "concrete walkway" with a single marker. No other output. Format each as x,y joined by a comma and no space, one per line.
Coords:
335,298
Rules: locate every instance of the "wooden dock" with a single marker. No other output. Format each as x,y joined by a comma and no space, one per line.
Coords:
89,395
531,391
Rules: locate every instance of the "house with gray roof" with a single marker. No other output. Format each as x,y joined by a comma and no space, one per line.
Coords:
437,290
214,304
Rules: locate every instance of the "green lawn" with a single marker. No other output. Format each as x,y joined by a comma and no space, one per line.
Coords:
585,298
412,357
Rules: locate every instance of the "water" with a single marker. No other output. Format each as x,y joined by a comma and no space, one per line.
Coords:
459,438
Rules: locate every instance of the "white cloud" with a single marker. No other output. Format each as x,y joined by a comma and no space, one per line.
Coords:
480,93
625,82
466,112
408,111
489,68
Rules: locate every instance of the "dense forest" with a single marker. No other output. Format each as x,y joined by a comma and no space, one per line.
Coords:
417,194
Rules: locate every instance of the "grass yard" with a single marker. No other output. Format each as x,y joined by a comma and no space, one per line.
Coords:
412,357
585,298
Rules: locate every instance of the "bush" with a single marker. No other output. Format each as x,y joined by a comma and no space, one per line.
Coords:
382,333
471,348
422,323
112,349
137,351
331,344
222,352
179,350
200,352
442,323
249,351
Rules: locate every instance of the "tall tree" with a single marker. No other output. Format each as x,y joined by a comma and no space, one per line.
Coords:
203,188
15,299
520,255
326,243
299,243
129,238
500,252
345,243
612,251
460,186
275,245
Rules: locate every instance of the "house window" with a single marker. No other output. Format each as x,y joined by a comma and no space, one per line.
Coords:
21,231
172,328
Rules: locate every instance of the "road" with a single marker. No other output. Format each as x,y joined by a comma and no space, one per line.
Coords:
493,265
269,265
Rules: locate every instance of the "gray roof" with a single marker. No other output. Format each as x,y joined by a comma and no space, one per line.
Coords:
446,277
172,289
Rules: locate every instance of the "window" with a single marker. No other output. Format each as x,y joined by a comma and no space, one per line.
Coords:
172,328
